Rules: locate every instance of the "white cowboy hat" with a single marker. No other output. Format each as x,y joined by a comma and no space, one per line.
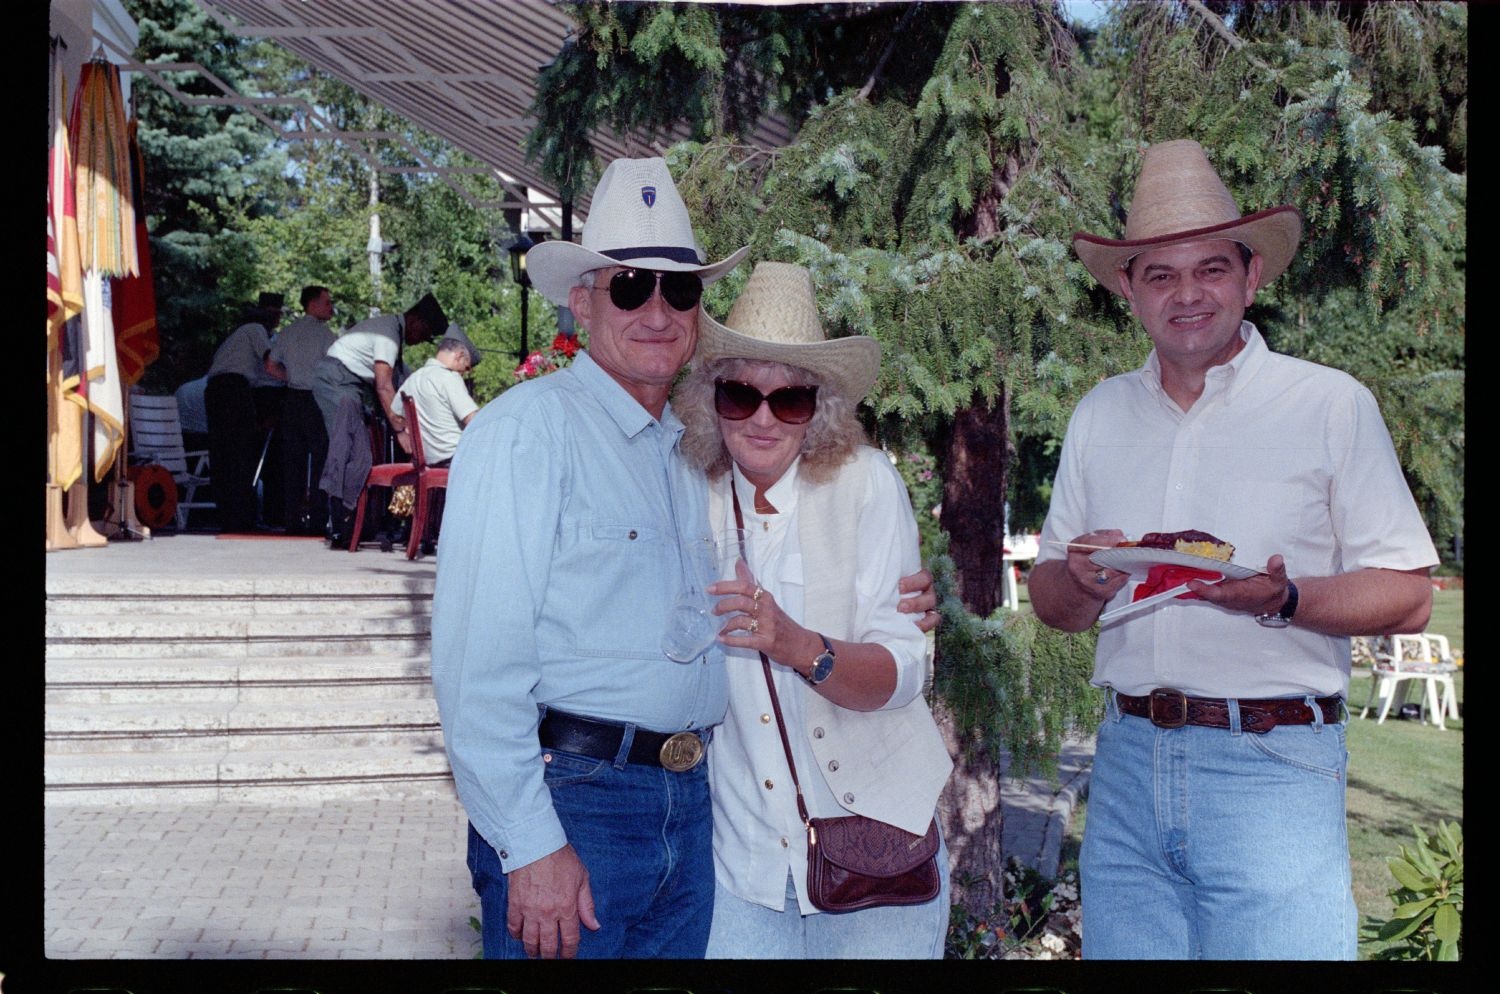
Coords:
1179,198
636,218
775,319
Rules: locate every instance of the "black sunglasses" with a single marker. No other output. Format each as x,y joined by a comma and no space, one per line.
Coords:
737,401
630,288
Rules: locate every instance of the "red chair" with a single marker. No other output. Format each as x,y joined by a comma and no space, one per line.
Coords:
429,478
388,474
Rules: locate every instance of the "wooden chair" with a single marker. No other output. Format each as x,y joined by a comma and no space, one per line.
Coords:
388,474
429,478
1401,658
156,438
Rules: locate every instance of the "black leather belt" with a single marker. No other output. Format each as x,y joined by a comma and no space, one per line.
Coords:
1169,708
599,739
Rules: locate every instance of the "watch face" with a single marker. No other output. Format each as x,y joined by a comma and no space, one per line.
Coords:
822,667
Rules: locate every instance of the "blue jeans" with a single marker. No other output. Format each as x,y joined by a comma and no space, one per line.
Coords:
645,835
742,930
1211,843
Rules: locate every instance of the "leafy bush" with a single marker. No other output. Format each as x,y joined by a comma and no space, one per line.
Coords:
1037,919
1429,898
1012,684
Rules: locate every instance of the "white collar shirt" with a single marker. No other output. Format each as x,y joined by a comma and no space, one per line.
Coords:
1278,455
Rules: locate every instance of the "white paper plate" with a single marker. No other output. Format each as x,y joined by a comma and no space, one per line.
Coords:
1137,561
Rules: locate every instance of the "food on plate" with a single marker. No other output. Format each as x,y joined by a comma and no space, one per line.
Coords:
1189,542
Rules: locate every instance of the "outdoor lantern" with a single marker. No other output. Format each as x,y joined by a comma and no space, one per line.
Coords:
518,250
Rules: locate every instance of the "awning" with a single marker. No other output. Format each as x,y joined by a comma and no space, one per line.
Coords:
464,72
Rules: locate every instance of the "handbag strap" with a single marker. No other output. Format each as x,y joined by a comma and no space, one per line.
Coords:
739,523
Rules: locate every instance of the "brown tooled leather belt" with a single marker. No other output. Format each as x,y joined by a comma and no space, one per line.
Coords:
1168,708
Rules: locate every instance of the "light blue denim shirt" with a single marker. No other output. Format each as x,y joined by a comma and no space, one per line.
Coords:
560,561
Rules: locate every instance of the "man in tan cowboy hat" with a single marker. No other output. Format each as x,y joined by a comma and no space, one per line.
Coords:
574,654
1216,803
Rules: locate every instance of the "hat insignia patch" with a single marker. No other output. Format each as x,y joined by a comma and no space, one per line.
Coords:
648,195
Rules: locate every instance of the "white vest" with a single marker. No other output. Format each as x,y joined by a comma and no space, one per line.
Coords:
887,765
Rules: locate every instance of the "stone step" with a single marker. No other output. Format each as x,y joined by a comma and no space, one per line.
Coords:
288,724
180,637
236,606
164,682
248,776
153,628
167,586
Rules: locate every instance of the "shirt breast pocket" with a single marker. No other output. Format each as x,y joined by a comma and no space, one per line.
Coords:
1276,512
628,579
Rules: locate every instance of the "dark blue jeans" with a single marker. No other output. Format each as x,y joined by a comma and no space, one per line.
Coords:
645,835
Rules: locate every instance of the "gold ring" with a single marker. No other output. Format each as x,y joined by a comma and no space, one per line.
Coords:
754,626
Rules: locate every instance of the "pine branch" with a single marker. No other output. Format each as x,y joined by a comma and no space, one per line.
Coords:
864,91
1222,30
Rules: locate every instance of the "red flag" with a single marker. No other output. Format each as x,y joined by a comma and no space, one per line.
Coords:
134,299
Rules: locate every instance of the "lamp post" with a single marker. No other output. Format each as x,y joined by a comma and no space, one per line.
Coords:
518,249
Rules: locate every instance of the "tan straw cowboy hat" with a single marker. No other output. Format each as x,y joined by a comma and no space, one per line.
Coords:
775,319
636,218
1179,198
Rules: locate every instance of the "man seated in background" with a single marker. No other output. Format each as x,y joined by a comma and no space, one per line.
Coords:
443,403
444,408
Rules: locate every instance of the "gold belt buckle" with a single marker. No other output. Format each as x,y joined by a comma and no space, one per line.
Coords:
681,752
1169,697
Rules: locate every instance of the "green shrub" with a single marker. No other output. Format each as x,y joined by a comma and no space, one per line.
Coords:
1011,683
1429,898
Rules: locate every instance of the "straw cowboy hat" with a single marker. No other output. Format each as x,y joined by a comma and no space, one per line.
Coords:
1179,198
775,319
636,218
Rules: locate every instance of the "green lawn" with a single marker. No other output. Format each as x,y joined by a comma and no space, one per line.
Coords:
1448,616
1400,773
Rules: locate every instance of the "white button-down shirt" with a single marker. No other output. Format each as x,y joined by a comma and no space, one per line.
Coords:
1277,455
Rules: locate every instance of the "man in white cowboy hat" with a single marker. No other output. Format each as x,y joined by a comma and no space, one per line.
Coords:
1216,803
574,654
576,746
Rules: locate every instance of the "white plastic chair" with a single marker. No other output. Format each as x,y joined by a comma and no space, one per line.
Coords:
156,437
1414,657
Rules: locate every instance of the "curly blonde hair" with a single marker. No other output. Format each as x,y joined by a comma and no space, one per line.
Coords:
832,437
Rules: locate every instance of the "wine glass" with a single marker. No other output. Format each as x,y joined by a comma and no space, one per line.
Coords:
691,625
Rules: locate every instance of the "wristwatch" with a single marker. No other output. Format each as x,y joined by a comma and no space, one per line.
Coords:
822,665
1283,617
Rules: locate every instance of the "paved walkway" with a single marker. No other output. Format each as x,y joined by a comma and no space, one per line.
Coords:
340,879
336,879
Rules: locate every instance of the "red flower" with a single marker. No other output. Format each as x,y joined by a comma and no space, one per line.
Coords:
566,344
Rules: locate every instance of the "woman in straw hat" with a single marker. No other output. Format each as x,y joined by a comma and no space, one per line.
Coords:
827,529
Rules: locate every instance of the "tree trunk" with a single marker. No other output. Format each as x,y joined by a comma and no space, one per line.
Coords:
974,476
973,515
972,822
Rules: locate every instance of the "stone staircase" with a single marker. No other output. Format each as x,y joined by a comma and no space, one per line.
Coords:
256,689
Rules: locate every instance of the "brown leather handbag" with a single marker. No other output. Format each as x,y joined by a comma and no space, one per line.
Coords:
853,861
